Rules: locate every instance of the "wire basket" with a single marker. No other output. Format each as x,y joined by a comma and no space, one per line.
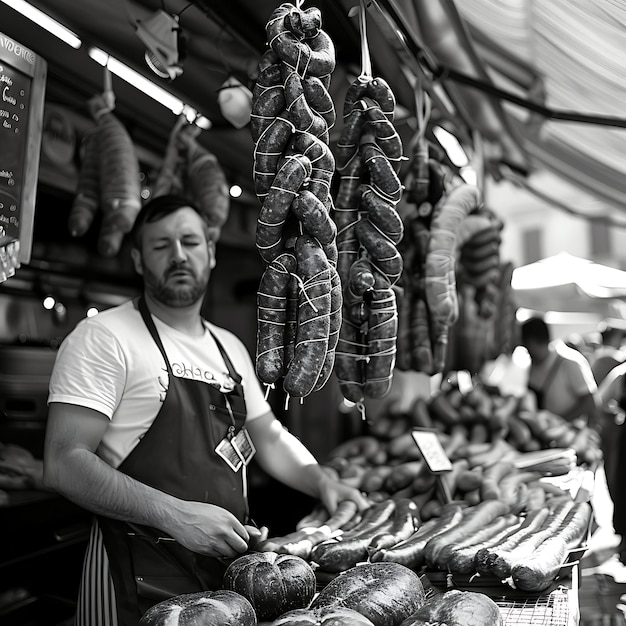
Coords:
550,610
518,609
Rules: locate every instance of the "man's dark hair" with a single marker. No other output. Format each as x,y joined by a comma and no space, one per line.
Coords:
156,209
535,329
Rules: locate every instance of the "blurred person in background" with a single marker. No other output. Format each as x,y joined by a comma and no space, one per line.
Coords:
611,351
559,375
612,401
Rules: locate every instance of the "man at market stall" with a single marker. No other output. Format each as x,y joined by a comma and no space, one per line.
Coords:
560,376
154,415
611,351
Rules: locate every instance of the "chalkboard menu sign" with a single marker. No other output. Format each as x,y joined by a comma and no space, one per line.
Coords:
22,88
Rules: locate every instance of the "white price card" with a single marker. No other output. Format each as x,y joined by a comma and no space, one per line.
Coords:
428,442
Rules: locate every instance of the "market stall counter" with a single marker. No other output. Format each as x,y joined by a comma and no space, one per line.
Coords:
481,504
468,508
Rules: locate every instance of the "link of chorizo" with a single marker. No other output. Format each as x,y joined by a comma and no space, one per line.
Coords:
382,214
349,192
330,249
314,307
293,174
347,248
419,180
322,161
303,23
336,303
404,302
346,214
267,153
300,112
379,90
357,293
268,100
313,55
350,360
357,290
356,90
383,177
382,331
319,99
422,352
383,253
387,137
314,217
348,142
269,57
87,198
291,321
272,317
361,277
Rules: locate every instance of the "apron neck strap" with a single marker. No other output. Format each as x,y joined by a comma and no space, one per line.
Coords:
149,322
229,364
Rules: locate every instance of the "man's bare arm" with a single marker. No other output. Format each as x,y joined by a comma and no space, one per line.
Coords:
72,468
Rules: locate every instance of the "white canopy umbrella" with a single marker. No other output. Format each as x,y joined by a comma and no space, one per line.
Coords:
572,294
595,279
564,282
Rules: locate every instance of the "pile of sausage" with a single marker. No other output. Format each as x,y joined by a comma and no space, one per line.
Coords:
299,297
369,153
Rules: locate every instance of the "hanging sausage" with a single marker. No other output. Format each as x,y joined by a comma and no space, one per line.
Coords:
369,153
108,177
299,297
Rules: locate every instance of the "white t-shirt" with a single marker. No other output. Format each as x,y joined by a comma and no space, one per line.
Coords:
110,363
573,378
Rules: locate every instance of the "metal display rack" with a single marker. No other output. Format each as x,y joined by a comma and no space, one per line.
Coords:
560,607
557,606
551,610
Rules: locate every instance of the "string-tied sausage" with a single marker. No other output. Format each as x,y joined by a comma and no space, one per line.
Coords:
293,174
268,151
314,312
272,317
312,54
382,329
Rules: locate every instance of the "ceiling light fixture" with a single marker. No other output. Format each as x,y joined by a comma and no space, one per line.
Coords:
469,175
235,102
48,303
162,36
162,96
235,191
451,145
45,21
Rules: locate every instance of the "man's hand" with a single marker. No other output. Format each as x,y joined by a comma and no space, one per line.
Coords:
257,535
333,491
211,530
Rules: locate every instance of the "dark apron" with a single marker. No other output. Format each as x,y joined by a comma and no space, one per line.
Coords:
540,392
177,456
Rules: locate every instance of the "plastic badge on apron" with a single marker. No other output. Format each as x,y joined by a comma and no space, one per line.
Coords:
237,450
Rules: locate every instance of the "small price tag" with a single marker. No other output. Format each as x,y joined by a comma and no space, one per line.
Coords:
427,441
